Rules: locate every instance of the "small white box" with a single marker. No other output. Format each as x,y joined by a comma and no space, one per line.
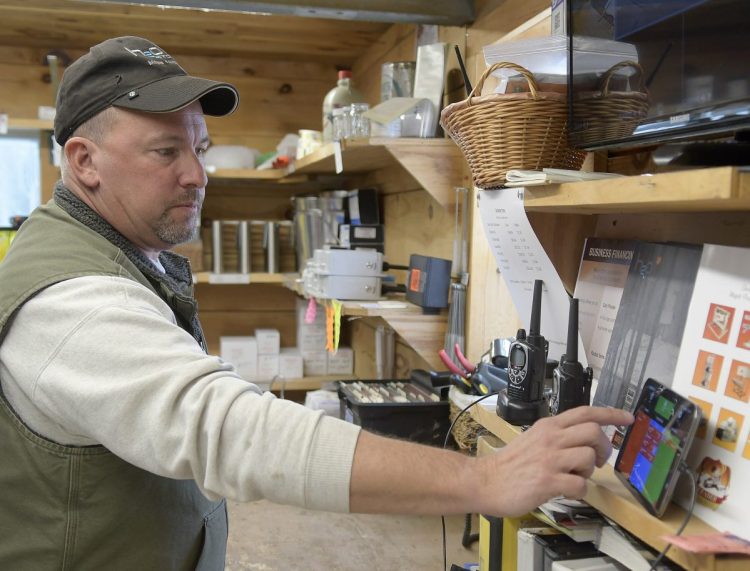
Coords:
269,341
315,363
268,367
311,339
341,362
291,365
242,352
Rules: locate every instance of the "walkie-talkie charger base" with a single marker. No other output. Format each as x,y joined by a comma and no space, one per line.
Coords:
523,402
518,412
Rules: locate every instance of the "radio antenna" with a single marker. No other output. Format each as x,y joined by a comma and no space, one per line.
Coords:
571,351
536,309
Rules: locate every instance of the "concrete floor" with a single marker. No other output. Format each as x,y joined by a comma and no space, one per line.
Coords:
269,537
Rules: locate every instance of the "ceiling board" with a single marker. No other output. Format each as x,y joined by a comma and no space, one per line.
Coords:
70,24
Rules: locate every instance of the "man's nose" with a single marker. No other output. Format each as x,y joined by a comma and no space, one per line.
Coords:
193,171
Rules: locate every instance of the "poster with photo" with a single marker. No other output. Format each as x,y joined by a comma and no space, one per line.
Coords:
713,370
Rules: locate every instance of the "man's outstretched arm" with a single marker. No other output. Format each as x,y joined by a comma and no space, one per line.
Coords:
554,457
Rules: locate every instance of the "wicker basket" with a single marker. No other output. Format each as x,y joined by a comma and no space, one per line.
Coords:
605,115
500,132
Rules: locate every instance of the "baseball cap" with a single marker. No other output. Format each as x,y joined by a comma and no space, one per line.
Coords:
133,73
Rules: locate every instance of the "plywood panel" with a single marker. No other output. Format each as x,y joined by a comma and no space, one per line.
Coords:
363,343
218,323
398,43
258,205
490,310
255,297
261,120
726,228
495,19
416,224
562,237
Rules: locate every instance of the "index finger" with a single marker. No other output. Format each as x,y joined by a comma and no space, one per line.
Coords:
598,414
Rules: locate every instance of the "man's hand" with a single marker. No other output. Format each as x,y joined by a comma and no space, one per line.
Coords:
554,457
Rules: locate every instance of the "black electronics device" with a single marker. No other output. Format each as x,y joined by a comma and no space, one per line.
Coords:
571,383
693,64
428,283
523,402
652,454
487,378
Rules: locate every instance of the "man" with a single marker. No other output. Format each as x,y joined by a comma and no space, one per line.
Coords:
119,435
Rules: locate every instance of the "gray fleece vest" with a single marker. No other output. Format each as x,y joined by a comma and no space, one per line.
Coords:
81,507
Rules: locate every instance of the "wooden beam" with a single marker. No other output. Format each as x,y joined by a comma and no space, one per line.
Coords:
442,12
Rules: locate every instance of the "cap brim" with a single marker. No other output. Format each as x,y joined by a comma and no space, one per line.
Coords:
175,92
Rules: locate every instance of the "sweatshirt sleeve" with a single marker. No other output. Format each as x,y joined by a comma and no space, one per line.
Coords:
100,360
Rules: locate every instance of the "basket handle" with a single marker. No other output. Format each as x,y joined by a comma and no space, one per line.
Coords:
533,87
618,66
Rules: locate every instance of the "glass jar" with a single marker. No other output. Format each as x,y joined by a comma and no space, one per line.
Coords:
359,125
341,123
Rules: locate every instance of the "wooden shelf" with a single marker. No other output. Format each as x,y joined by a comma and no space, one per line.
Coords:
608,495
436,164
251,278
21,124
706,190
424,333
246,174
306,383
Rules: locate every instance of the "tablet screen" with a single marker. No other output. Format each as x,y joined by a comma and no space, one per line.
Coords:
649,459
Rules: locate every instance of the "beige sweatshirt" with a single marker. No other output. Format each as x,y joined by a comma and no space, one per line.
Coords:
101,360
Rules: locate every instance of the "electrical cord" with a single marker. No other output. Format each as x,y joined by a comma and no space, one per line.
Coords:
445,445
468,537
693,490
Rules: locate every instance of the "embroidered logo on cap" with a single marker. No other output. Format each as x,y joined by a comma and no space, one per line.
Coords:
154,55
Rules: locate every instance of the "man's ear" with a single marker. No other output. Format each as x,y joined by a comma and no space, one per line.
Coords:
80,153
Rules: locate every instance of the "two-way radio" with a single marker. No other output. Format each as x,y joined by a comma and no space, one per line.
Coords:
571,383
523,403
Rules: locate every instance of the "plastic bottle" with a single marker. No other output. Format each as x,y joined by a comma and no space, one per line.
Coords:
340,96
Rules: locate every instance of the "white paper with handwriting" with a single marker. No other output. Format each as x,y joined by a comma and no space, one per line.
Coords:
521,260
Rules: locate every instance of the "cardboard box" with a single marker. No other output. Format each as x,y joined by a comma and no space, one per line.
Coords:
341,362
310,336
242,352
269,341
559,18
311,340
315,363
268,367
291,365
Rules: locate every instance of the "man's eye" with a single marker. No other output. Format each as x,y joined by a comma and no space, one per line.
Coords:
167,152
201,151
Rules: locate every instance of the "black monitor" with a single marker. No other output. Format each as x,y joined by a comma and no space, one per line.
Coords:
685,71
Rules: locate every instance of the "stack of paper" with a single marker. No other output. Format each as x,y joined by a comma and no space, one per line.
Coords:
573,517
525,178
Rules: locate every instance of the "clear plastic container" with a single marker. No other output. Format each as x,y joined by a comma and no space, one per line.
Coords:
547,59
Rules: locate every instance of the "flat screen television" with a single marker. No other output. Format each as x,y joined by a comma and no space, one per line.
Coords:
684,73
